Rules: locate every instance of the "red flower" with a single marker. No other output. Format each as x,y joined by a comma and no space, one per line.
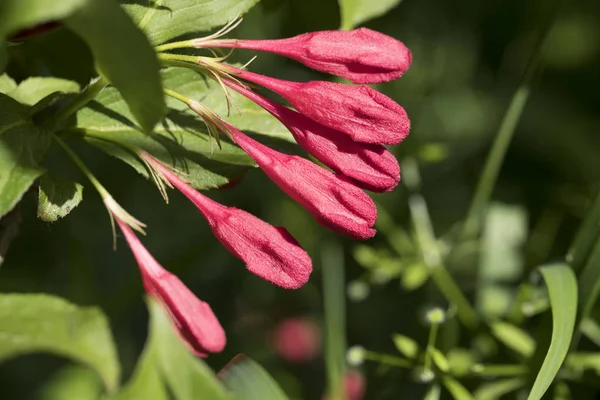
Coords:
330,198
370,166
193,318
269,252
360,112
361,55
355,385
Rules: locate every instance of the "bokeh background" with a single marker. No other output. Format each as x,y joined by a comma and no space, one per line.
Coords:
468,57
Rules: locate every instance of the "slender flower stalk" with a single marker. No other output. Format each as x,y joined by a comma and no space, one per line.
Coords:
370,166
360,55
360,112
269,252
194,320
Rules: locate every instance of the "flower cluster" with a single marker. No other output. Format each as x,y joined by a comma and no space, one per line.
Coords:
344,127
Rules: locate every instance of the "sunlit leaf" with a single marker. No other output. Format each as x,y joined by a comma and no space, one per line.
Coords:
163,20
562,290
356,12
247,380
57,198
41,323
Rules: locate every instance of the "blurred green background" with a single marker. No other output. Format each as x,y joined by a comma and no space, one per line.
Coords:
468,57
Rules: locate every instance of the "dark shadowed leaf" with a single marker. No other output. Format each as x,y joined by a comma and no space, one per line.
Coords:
22,146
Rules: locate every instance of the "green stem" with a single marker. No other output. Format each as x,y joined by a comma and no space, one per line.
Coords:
504,135
335,318
430,251
177,57
84,97
430,346
175,45
79,162
499,370
387,359
178,96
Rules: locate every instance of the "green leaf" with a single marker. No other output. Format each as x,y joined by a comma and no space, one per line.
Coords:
146,382
514,337
188,377
36,322
356,12
406,346
562,290
588,289
433,393
22,146
19,14
124,56
495,390
456,389
57,198
181,141
9,229
34,89
7,84
440,360
247,380
72,382
163,20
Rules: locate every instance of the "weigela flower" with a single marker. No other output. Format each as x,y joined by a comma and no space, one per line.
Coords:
269,252
360,55
334,201
195,322
360,112
370,166
297,340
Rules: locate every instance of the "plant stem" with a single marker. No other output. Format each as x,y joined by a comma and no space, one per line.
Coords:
177,57
499,370
335,318
175,45
504,135
81,165
430,251
84,97
585,237
178,96
387,359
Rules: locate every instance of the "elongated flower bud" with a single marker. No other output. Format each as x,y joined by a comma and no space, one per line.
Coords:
330,198
361,55
360,112
193,318
269,252
370,166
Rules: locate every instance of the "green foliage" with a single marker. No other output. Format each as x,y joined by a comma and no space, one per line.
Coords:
181,140
164,20
32,90
124,56
22,146
562,290
57,198
247,380
36,322
357,12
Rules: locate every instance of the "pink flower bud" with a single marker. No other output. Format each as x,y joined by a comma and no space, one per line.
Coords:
330,198
297,340
269,252
360,112
370,166
195,322
360,55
